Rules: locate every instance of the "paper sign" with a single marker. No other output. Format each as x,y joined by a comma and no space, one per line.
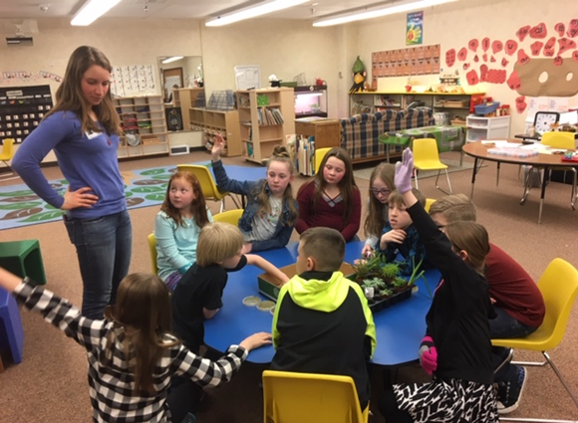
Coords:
505,62
473,45
536,47
523,32
514,81
472,77
483,73
462,54
511,46
523,58
565,45
485,44
497,46
521,104
539,31
572,28
550,43
560,28
450,57
558,61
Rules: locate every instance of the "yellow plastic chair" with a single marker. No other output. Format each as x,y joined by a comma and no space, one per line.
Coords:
229,216
153,251
559,140
428,203
427,157
319,155
208,185
7,152
559,286
291,397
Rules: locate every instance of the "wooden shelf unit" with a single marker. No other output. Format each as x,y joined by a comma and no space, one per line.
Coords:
257,111
324,133
222,122
185,98
455,104
143,117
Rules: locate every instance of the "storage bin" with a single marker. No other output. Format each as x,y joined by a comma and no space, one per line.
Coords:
486,109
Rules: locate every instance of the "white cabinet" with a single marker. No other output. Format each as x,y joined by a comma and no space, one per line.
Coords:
487,128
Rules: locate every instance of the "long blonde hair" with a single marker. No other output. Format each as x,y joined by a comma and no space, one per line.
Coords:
142,317
376,218
69,96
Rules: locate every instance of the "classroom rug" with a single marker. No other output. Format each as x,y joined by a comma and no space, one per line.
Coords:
454,166
20,206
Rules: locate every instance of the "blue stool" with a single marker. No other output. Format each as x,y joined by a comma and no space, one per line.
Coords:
23,258
11,332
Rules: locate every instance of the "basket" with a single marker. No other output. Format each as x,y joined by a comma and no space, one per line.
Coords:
486,109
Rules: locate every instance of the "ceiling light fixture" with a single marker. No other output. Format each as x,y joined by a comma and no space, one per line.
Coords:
253,11
378,12
171,59
91,11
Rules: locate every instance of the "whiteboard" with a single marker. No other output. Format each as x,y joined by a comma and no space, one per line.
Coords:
247,77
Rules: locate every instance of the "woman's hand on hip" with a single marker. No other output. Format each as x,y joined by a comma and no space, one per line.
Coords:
78,198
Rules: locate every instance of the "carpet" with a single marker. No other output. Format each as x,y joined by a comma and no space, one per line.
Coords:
454,166
20,206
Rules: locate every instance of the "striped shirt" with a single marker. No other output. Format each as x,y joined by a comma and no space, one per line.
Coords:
110,379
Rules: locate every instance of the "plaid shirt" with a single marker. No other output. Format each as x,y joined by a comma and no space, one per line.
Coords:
111,384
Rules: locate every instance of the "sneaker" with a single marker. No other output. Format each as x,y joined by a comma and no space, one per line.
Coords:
510,393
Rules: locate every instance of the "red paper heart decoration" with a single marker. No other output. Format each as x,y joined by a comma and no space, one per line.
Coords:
565,45
505,62
497,46
560,28
572,28
548,52
575,55
521,104
523,58
511,46
558,61
450,57
462,54
472,77
466,66
514,81
539,31
485,44
523,32
492,59
476,58
473,45
483,73
485,57
536,47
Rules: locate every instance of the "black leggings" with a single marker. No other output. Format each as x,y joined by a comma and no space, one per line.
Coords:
388,407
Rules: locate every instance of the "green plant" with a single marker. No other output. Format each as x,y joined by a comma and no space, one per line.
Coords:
399,283
389,271
386,292
369,266
376,283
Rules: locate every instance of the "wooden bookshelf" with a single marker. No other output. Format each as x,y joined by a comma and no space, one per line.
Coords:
212,122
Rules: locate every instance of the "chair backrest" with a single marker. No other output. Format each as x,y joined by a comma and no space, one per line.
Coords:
319,155
558,139
559,286
229,216
425,149
153,252
7,149
428,203
208,185
291,397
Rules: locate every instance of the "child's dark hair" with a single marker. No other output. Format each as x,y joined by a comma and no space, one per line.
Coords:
326,245
347,184
397,198
454,207
376,219
472,238
280,154
198,206
142,317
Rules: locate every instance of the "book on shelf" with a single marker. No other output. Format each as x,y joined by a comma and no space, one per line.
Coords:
267,117
306,155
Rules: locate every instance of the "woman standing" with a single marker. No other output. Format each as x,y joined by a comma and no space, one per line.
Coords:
83,129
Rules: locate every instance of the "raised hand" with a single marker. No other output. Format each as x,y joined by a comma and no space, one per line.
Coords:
218,145
256,340
78,198
404,171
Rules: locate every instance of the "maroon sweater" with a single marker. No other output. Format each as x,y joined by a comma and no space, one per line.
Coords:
513,289
324,214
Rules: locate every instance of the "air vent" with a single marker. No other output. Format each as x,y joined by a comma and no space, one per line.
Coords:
19,41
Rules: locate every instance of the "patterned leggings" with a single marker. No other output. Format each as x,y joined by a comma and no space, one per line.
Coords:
449,401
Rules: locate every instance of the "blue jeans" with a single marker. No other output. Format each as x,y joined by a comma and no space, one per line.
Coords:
104,246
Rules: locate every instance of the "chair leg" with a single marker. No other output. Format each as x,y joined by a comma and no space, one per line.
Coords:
449,183
527,186
415,171
562,380
222,205
573,195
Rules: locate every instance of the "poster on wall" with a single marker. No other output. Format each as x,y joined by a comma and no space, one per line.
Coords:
248,77
423,60
414,29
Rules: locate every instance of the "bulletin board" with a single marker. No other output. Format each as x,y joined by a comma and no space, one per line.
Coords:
248,77
424,60
133,80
